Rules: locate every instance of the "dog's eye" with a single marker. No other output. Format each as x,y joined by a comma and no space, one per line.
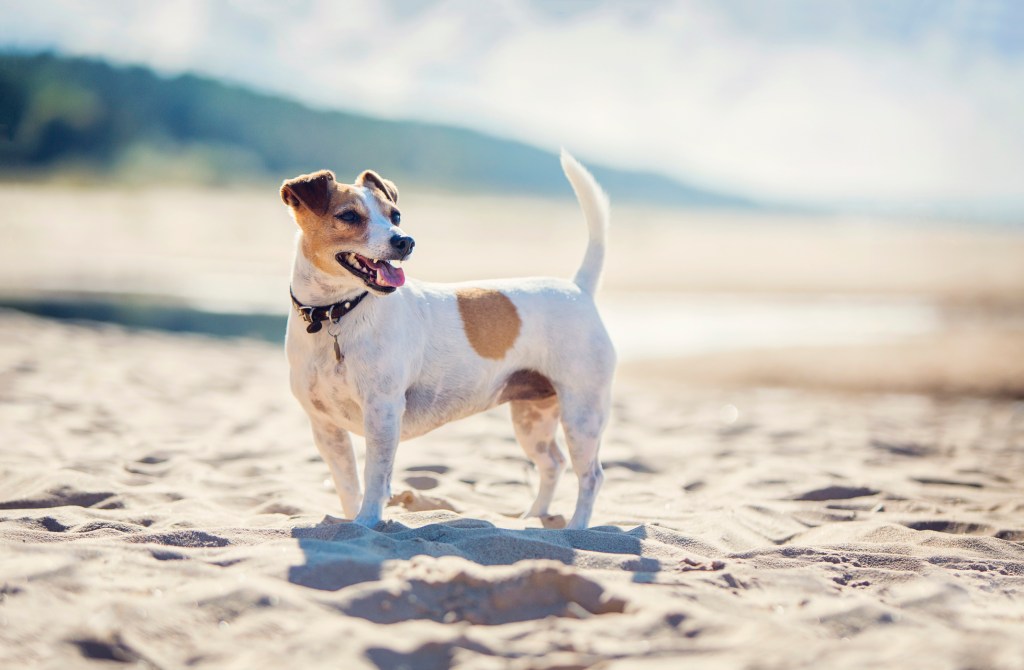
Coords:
396,217
348,216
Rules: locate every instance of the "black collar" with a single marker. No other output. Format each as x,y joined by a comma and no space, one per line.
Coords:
315,315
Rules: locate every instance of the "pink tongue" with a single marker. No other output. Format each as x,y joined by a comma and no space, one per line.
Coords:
390,276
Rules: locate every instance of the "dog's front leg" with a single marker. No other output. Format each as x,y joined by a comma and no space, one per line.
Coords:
383,425
335,448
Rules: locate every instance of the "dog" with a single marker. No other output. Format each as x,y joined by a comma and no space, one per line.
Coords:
388,359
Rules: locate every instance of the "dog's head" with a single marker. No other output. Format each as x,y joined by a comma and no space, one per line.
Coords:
350,229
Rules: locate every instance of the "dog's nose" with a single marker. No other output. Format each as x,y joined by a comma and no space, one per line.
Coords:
403,243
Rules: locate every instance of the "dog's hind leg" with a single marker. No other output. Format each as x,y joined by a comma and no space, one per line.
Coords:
584,415
335,446
535,423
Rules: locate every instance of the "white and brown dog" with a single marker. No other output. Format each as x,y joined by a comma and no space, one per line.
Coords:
375,355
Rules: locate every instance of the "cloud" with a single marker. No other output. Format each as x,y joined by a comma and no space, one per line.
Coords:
849,101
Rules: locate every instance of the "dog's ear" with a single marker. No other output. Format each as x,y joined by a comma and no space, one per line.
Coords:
371,179
311,190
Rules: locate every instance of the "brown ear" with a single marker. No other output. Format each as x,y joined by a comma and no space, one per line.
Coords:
312,190
371,179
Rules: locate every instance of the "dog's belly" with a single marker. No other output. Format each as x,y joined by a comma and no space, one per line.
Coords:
428,408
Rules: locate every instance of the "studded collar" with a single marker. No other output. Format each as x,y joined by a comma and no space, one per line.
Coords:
315,315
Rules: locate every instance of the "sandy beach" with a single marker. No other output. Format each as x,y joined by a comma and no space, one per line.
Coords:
815,455
161,505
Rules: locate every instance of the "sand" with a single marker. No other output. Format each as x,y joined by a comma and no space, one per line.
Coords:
161,505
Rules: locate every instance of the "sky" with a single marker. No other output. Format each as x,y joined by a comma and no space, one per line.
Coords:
909,103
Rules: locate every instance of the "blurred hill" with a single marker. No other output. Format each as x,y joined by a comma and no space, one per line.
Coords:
88,118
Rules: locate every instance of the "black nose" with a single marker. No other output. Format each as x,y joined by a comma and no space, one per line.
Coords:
403,243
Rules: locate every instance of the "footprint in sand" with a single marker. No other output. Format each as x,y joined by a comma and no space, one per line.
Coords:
107,650
836,493
423,482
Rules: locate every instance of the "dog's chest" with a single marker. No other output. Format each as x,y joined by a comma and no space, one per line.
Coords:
323,383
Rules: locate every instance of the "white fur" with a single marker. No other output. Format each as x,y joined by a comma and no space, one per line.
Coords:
408,367
381,229
594,203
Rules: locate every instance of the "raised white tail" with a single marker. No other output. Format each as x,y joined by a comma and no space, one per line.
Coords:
594,203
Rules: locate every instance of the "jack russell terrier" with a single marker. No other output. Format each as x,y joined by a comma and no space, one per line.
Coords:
389,359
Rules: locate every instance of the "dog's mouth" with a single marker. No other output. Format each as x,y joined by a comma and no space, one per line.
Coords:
378,274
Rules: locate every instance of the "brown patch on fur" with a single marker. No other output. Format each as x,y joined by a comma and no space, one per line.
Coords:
490,320
350,410
374,181
546,403
319,404
323,235
524,415
312,190
529,385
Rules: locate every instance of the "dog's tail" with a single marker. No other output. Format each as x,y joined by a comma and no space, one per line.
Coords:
594,203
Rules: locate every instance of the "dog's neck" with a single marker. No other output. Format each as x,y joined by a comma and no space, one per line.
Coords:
312,286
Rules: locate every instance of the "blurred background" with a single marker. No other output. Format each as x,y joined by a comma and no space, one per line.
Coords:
808,194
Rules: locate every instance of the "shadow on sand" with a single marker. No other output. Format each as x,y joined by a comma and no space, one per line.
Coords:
482,575
339,553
